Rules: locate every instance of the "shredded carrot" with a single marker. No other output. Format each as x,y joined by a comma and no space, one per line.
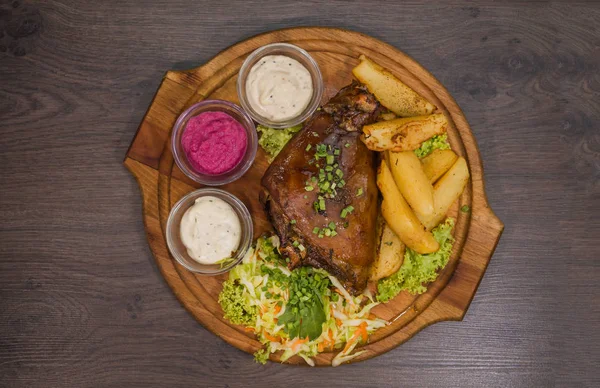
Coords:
363,331
372,316
250,329
277,309
360,332
338,322
270,337
320,347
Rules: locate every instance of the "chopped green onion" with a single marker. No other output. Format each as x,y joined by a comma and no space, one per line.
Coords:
329,176
308,147
339,173
327,232
336,152
292,222
347,145
309,188
331,225
301,247
322,204
295,243
316,230
333,233
359,192
306,196
341,183
324,186
328,168
347,210
330,159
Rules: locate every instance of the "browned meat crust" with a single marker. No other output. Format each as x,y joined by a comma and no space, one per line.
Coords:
349,254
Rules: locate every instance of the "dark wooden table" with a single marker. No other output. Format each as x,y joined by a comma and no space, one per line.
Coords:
82,303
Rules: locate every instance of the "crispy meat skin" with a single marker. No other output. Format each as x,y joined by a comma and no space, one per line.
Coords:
349,255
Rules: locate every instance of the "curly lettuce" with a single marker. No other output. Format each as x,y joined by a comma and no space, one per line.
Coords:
418,269
437,142
236,305
261,356
273,140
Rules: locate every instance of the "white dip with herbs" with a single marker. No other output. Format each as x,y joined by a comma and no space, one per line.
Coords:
279,88
210,230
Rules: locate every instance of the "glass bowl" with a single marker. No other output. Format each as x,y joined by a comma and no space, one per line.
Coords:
179,251
211,106
291,51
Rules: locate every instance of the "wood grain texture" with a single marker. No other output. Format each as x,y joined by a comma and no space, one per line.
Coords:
82,302
336,51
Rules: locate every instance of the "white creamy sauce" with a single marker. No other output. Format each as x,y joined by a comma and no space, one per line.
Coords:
279,87
210,230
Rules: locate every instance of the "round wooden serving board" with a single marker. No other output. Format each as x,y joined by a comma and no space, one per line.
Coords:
150,160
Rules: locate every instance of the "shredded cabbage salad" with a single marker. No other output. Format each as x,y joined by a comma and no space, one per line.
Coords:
301,312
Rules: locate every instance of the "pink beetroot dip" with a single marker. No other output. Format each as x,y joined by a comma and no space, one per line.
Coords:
214,142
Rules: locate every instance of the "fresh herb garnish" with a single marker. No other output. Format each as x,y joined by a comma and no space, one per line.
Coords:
305,313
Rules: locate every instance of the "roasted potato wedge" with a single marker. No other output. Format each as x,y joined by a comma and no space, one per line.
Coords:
446,191
403,134
400,217
411,181
390,91
437,163
388,116
390,256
